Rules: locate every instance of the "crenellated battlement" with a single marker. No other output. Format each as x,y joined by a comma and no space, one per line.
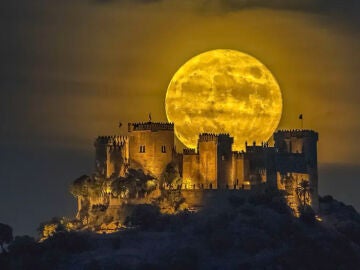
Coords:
208,137
257,148
213,164
115,140
299,133
189,151
238,154
151,126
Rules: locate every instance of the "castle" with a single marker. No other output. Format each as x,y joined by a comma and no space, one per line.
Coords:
214,165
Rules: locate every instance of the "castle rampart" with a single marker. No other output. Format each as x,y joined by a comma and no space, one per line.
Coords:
189,151
213,165
115,140
300,133
153,126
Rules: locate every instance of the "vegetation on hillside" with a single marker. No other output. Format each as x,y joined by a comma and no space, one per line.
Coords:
259,232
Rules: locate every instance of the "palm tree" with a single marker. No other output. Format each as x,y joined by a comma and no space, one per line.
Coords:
303,191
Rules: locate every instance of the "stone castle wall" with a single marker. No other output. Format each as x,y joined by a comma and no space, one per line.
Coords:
240,169
111,155
297,160
208,159
190,171
151,146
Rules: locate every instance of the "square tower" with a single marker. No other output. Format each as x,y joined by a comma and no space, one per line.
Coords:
111,155
296,161
215,159
151,146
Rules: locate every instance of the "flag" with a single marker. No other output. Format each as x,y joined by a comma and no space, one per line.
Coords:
300,116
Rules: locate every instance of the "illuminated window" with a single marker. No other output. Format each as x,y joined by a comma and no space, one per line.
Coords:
163,149
142,148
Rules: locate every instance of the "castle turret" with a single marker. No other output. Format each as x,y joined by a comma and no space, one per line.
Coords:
112,155
240,170
215,163
151,146
297,160
190,172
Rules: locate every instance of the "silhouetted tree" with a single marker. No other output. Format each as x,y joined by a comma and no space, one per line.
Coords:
78,187
6,235
171,175
49,228
303,191
136,182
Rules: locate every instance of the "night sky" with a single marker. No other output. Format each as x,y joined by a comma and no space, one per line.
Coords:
71,70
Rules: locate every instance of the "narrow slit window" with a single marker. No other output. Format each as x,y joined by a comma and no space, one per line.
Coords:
163,149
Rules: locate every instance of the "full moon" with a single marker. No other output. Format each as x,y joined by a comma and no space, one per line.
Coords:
224,91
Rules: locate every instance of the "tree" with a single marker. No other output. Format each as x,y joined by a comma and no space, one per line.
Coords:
6,235
79,187
136,182
303,191
49,228
171,175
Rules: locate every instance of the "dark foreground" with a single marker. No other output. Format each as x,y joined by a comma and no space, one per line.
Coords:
257,233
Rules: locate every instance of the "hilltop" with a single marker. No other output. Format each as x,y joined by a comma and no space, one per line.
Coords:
257,233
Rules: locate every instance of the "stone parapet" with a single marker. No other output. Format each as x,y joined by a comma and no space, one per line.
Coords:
299,133
151,126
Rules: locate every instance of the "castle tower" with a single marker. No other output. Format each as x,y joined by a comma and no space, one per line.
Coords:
151,146
112,155
297,159
215,160
240,169
190,169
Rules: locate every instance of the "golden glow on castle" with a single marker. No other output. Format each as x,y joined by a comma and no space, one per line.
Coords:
213,165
